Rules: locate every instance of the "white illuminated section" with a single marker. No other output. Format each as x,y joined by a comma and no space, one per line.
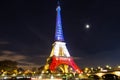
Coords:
56,50
60,48
66,51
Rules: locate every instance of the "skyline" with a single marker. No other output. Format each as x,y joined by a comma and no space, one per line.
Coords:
28,27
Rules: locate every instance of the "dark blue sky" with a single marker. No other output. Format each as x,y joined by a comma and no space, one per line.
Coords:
27,30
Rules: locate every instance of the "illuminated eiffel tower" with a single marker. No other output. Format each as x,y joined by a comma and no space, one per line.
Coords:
60,60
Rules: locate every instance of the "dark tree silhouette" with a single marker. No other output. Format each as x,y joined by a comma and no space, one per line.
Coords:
8,65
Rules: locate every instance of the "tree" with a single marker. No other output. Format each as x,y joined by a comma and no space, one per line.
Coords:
8,65
20,71
40,69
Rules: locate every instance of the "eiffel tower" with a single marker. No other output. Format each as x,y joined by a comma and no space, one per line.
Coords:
60,60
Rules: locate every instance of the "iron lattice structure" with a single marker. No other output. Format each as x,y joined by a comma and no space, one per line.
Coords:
60,60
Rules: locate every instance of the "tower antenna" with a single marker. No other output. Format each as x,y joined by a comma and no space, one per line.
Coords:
58,2
58,32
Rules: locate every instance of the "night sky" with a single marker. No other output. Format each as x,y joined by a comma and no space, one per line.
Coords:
27,30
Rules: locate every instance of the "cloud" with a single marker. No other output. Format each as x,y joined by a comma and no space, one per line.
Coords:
10,55
3,42
7,52
26,62
14,56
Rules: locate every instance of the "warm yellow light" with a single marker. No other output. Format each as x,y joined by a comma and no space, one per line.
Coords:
3,74
52,77
110,67
107,66
91,68
14,75
99,67
117,73
100,74
118,66
40,77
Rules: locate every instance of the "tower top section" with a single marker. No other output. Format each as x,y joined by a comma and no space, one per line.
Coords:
58,32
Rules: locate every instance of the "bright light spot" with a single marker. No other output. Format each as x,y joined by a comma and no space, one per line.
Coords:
104,70
87,26
40,77
52,77
99,74
99,67
118,66
107,66
117,73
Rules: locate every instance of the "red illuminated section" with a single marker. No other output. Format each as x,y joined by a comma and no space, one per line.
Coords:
56,61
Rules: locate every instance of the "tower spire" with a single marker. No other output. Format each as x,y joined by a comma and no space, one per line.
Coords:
58,2
58,32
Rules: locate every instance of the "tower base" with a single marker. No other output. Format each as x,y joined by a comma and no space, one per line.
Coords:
65,63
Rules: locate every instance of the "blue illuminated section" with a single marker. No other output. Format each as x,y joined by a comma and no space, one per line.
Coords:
59,32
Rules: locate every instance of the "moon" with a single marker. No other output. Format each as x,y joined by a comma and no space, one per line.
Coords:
87,26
